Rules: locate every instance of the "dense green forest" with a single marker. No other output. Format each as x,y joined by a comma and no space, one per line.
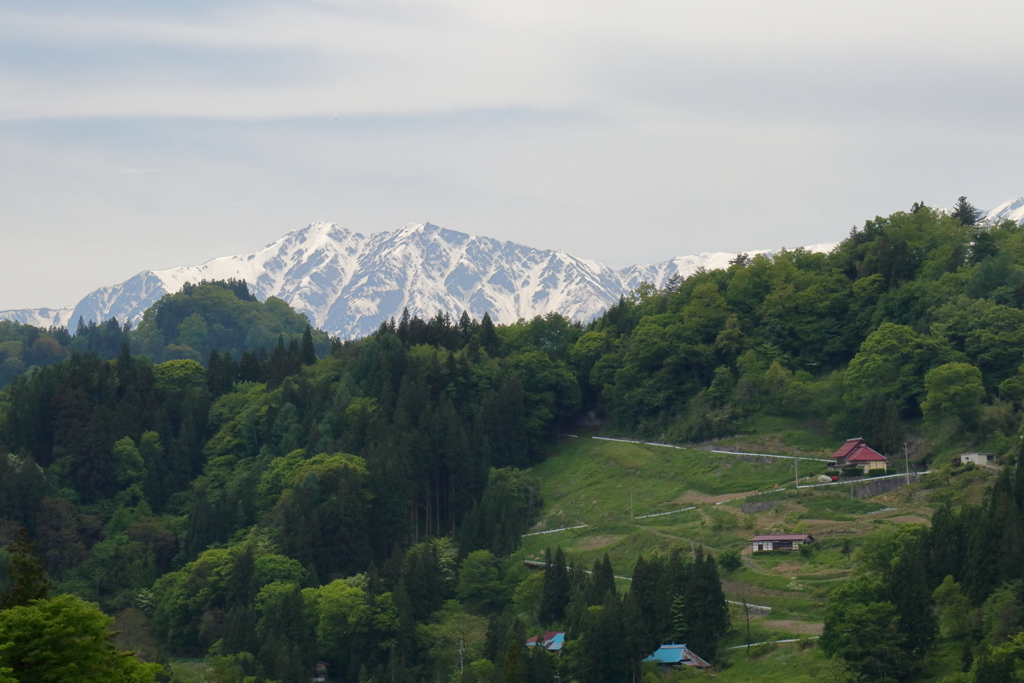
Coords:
231,485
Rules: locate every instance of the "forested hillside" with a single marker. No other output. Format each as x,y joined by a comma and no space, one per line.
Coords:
232,486
189,324
914,315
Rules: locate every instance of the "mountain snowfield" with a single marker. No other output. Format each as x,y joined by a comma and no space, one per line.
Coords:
348,283
1012,209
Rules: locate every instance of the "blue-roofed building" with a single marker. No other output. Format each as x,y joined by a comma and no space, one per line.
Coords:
674,654
552,641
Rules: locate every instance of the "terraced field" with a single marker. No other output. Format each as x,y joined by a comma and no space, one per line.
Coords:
614,487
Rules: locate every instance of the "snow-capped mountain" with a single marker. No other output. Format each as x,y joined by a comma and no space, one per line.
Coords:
347,283
1012,209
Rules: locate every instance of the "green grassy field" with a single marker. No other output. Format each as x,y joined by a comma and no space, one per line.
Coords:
578,487
593,482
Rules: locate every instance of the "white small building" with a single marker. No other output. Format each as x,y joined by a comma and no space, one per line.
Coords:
977,458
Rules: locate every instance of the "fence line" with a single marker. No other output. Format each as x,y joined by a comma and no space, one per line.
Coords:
712,450
659,514
771,455
866,480
643,443
787,640
551,531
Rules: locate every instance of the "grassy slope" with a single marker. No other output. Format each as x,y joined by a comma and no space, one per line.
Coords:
589,481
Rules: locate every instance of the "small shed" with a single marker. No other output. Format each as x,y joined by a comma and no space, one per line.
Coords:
977,458
319,673
673,654
779,542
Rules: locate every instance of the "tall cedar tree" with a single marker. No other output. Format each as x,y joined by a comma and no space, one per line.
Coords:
601,655
27,573
555,591
965,212
705,616
602,581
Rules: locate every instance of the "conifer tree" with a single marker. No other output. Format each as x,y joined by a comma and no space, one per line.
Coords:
513,666
965,212
308,352
646,588
240,630
637,640
602,581
489,336
498,627
27,573
602,655
555,591
702,616
907,586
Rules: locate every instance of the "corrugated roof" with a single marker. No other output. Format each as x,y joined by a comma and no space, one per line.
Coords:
676,654
782,537
668,654
552,641
857,450
864,453
848,446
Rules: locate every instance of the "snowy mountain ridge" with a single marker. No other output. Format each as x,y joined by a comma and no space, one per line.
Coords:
348,283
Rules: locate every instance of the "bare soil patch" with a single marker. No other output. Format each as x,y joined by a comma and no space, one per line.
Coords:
594,542
907,519
788,568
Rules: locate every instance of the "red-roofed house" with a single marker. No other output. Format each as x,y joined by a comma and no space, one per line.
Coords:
856,453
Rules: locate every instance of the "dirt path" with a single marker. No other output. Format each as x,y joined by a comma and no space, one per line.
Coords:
698,497
659,532
749,564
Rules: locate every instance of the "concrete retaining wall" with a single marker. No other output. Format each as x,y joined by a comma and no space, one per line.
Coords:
868,488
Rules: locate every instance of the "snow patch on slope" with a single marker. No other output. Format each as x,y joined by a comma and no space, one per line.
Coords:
40,317
1012,209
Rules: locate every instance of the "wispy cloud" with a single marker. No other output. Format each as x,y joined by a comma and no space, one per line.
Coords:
686,125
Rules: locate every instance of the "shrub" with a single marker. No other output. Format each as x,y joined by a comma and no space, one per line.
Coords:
730,560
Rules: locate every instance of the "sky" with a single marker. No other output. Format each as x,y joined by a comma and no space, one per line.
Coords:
139,136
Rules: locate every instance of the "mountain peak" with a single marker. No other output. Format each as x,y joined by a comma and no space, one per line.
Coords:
348,283
1011,209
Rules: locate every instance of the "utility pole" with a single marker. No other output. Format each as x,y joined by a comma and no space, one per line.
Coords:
796,472
906,459
631,504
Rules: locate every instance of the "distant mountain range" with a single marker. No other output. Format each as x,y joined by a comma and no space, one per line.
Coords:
347,283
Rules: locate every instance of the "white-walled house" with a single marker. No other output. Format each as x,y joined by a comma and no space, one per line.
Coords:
779,542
